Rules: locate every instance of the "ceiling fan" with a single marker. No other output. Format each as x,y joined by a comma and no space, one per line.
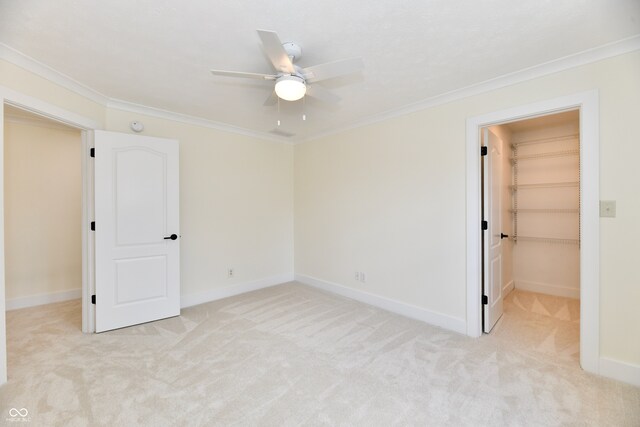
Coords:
291,81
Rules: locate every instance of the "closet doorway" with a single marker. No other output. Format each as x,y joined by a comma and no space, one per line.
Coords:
530,175
587,105
42,211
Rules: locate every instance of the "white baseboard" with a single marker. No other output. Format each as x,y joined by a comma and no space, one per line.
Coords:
235,289
433,318
621,371
545,288
506,290
41,299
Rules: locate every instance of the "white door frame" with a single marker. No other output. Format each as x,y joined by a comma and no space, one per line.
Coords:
85,125
588,104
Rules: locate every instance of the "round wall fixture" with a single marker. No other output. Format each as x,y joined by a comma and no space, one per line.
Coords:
137,126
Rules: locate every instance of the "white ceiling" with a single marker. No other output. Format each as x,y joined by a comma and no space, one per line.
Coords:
158,53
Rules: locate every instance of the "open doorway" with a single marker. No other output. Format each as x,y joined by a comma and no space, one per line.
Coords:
587,103
42,210
530,174
10,99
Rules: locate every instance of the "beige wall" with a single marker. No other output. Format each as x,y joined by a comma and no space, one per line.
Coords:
42,209
236,192
16,78
389,199
236,203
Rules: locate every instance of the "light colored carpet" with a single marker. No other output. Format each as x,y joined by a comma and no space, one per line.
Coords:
293,355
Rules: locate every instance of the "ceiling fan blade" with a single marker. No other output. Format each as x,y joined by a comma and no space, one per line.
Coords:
330,70
322,94
271,100
243,74
276,53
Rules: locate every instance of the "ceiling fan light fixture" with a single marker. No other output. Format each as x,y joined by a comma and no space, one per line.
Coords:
290,88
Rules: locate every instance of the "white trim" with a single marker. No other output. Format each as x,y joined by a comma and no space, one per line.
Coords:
21,60
548,289
18,58
431,317
599,53
191,120
40,123
506,289
588,103
190,300
45,109
41,299
88,238
621,371
3,323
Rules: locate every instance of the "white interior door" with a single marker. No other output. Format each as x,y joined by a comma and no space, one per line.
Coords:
492,237
136,215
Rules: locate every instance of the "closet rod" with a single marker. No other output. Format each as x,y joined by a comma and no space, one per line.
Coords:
543,140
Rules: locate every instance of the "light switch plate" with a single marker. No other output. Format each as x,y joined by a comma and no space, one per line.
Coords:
607,208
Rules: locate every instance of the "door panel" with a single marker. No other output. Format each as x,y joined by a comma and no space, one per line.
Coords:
136,207
138,195
139,279
492,213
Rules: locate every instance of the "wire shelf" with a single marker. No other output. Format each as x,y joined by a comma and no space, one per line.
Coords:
545,140
546,211
545,185
564,153
545,240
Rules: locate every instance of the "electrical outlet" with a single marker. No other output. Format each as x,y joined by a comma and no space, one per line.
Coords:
608,208
357,276
230,273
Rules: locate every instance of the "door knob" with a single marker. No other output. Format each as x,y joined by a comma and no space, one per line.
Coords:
172,237
502,236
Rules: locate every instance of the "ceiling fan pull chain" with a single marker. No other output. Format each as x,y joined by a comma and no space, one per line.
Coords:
278,111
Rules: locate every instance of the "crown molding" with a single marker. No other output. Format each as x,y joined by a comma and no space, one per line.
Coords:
36,67
599,53
18,58
191,120
609,50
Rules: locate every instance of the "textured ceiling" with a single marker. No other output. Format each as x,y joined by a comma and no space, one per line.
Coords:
158,53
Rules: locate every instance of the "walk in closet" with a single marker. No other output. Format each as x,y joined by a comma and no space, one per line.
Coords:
541,204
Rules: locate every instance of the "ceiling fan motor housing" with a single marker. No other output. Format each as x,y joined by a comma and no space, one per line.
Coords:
294,51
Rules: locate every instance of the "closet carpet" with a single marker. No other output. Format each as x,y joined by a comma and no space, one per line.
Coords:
293,355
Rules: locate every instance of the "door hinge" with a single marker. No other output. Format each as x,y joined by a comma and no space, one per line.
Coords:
92,152
485,300
483,151
485,225
93,226
93,299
